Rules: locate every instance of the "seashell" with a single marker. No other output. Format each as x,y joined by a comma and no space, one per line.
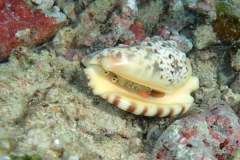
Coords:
148,78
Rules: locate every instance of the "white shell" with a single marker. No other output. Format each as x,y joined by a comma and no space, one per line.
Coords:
153,64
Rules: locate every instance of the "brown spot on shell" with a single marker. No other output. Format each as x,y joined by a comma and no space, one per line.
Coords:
183,110
119,55
144,111
171,113
116,101
132,108
88,80
159,112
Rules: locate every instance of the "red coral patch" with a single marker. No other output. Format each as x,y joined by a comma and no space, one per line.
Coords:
15,16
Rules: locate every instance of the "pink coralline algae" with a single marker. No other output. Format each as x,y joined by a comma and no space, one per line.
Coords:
138,30
21,26
208,134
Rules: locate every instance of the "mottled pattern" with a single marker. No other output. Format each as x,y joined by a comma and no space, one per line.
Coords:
210,133
159,60
166,61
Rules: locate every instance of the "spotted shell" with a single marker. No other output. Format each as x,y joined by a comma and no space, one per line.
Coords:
149,78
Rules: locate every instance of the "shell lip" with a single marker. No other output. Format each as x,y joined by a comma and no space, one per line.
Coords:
146,109
105,85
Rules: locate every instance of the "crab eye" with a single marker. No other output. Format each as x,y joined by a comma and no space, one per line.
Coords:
106,73
114,79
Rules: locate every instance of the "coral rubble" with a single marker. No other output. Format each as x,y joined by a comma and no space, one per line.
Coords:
205,134
21,26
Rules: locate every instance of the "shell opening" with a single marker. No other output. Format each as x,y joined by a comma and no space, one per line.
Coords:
143,91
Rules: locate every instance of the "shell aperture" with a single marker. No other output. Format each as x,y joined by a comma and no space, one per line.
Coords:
150,78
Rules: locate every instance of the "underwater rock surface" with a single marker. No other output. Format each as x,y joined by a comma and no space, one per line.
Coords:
47,110
210,133
20,26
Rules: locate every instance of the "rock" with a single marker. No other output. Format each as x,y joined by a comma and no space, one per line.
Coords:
205,134
204,36
21,26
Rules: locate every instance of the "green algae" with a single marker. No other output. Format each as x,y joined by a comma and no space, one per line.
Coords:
227,25
26,157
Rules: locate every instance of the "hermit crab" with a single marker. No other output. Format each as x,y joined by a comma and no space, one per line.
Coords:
148,78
